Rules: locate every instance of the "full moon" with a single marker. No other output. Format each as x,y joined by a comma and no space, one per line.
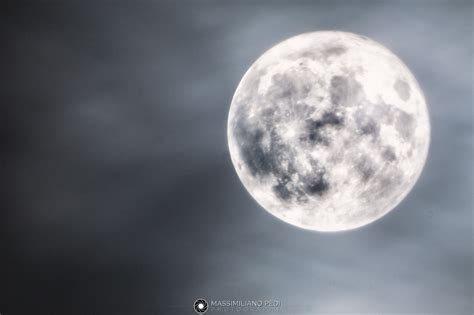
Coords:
328,131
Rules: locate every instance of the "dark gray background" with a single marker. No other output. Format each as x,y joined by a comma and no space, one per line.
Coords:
118,193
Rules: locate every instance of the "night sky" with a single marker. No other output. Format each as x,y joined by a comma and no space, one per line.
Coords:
118,195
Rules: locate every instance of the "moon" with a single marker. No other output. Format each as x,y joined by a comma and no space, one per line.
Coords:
328,131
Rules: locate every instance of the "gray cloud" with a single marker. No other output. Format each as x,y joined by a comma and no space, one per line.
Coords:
120,196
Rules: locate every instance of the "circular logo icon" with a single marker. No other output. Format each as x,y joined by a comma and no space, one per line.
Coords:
200,306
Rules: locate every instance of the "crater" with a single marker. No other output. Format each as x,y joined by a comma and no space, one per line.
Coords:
334,51
366,125
282,191
316,185
252,151
405,124
365,168
344,90
282,87
388,154
315,128
403,89
339,90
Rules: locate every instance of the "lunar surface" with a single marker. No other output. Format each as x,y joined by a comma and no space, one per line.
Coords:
328,131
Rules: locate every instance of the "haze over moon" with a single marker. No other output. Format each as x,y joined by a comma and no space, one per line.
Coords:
328,131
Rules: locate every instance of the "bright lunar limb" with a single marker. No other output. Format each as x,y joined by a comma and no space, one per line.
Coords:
328,131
